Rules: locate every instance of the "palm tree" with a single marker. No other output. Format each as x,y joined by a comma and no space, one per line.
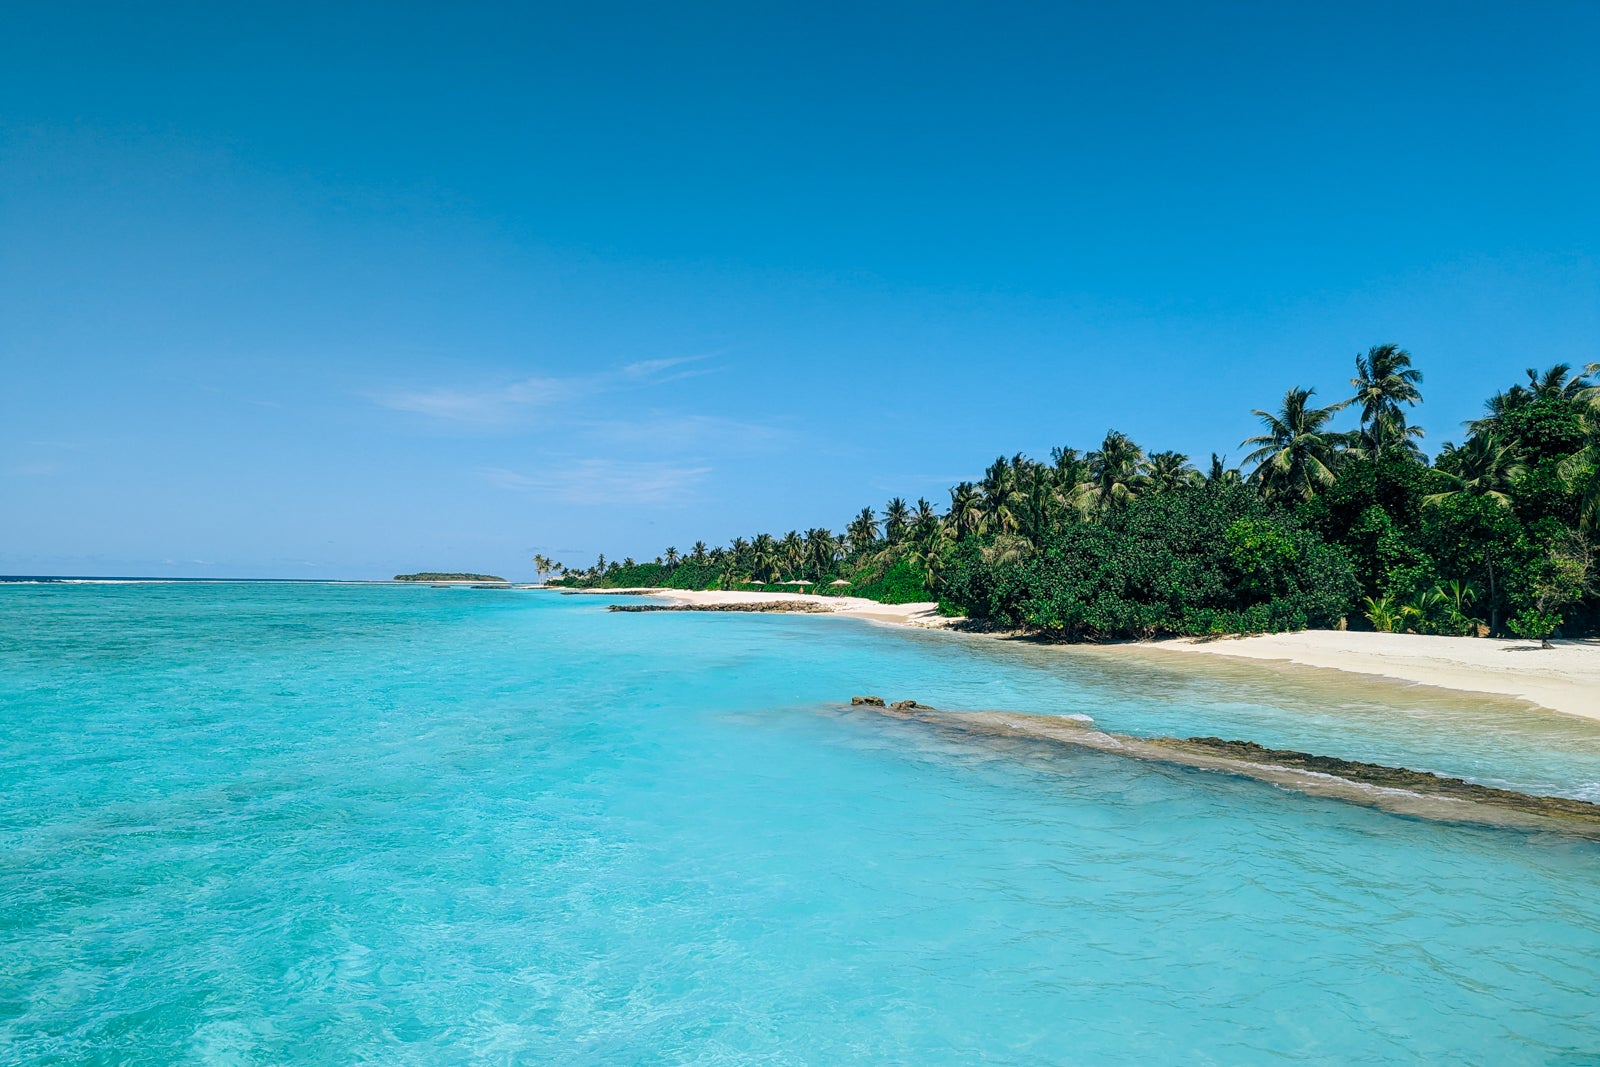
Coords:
1385,380
999,496
1590,382
896,518
792,550
862,531
927,549
1458,596
763,557
822,550
966,510
543,565
1169,471
1296,457
1581,472
699,552
1072,488
672,556
728,569
1115,471
1556,383
1496,408
1386,616
1035,496
1481,467
1220,473
1388,434
1422,607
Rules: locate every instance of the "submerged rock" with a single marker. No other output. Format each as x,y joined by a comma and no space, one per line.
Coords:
1419,794
1386,777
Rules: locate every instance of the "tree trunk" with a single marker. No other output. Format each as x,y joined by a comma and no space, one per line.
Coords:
1494,605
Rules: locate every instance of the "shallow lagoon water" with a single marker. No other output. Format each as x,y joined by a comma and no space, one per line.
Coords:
254,823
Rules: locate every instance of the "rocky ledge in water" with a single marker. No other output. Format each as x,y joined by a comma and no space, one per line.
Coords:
1420,794
801,606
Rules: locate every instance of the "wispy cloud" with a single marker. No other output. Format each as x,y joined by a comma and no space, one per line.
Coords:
655,370
509,402
482,406
604,481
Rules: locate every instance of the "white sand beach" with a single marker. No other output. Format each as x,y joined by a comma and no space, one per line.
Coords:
1565,678
923,615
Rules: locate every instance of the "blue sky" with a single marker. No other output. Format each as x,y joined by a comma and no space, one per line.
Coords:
294,292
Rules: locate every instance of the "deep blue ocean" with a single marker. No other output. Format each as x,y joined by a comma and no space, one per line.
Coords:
322,824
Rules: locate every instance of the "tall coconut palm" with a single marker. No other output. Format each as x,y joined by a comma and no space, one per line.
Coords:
1219,473
699,552
1116,471
929,540
672,556
926,521
1495,409
1481,467
999,489
1035,500
966,510
862,532
1384,381
1072,485
822,551
1555,383
792,550
1581,472
1167,472
1390,435
896,519
1296,457
764,557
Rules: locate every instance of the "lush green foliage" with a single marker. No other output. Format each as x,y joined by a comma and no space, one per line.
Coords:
1330,527
902,582
1209,561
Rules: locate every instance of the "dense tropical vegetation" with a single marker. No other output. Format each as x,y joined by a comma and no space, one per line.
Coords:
1324,528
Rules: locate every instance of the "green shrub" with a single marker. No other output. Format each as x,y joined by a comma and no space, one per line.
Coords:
1192,563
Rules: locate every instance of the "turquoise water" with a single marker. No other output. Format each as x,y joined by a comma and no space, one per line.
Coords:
319,824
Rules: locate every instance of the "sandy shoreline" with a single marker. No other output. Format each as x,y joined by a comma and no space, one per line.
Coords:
1565,678
924,616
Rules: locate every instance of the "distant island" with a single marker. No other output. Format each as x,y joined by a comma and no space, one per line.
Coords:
436,576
